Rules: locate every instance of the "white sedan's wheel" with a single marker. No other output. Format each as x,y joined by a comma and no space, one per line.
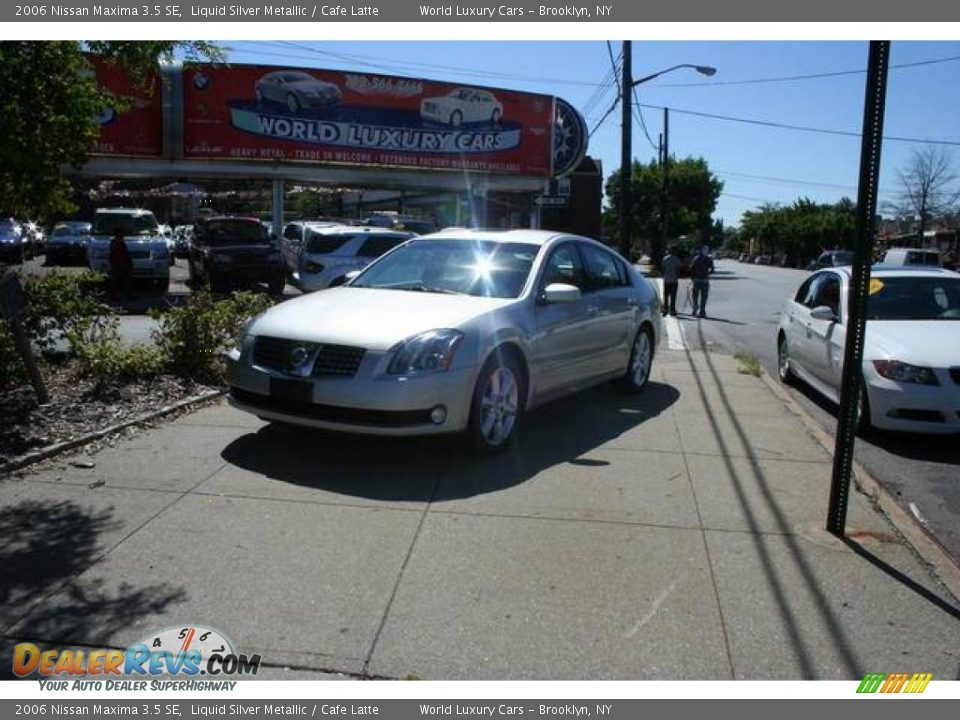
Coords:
496,404
783,362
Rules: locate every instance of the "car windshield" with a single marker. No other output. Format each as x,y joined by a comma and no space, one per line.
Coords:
111,223
914,298
225,232
460,267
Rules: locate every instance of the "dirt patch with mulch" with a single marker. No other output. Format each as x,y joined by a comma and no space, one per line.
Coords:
78,407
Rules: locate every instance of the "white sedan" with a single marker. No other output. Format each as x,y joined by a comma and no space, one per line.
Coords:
911,355
463,105
457,331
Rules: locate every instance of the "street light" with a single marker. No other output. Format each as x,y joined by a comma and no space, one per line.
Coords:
626,160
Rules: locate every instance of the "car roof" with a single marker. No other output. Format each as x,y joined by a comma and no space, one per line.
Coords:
532,237
321,229
124,211
894,271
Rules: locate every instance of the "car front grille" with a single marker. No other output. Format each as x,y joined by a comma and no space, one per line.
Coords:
328,360
955,374
338,360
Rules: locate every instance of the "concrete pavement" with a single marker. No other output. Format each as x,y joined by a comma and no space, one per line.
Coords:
673,535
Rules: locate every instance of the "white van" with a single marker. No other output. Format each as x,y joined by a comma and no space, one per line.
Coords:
912,257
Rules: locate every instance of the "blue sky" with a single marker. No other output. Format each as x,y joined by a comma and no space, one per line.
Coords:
757,164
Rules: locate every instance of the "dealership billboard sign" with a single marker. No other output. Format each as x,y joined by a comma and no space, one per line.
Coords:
136,130
305,115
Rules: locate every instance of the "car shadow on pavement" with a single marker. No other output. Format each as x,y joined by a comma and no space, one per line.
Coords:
445,467
47,546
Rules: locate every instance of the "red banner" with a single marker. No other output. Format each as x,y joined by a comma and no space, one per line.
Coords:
138,130
306,115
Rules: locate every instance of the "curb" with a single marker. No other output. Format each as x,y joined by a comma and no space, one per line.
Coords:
917,535
57,448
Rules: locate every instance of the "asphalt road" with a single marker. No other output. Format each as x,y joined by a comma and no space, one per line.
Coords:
744,309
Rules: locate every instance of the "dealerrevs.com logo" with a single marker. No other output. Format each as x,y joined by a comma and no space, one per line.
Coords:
179,652
894,683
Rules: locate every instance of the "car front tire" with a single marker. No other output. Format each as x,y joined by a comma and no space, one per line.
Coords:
497,404
783,362
640,363
456,118
293,104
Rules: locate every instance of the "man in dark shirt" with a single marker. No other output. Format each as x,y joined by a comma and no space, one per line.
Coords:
121,267
700,274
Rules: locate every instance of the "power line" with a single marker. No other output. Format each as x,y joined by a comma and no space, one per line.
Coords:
811,76
802,128
617,99
786,181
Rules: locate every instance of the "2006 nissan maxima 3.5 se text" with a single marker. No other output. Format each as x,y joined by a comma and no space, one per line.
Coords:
457,331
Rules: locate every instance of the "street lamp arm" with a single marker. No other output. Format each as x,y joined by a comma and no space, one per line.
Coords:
702,69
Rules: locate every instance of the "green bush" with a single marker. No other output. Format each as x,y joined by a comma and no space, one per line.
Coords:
62,307
109,362
193,338
11,367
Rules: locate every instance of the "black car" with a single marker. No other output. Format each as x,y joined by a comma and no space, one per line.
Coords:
68,242
831,258
229,252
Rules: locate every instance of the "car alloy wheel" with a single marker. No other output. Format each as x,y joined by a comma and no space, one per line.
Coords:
783,362
641,361
259,94
496,404
293,105
495,118
456,118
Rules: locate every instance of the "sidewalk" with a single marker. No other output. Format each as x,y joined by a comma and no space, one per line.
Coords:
673,535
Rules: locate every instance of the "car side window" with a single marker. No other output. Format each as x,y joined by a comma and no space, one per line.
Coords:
804,290
564,266
602,271
828,293
376,245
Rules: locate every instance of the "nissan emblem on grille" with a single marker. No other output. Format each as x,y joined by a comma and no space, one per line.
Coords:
297,357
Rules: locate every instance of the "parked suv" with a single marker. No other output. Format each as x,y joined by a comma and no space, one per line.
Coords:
228,252
141,232
327,254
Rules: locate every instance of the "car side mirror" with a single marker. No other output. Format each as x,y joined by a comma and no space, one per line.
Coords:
560,293
823,312
351,275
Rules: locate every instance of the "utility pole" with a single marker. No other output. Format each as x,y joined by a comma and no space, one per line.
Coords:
656,253
626,161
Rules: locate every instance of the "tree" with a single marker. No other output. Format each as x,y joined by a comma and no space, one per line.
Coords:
49,100
800,231
927,188
693,193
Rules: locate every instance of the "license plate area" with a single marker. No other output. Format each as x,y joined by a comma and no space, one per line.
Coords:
291,390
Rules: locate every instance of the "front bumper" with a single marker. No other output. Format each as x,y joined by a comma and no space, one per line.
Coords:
931,409
366,403
66,251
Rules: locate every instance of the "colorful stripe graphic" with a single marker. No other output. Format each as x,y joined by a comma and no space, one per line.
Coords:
894,682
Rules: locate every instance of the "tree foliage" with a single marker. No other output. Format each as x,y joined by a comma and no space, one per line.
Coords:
801,231
49,99
692,197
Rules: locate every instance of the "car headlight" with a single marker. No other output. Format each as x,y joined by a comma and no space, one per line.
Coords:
905,373
431,351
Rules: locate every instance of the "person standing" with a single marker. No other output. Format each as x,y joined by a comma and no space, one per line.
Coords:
700,275
121,267
671,280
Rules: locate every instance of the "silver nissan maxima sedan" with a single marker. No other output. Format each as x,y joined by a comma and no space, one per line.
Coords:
459,331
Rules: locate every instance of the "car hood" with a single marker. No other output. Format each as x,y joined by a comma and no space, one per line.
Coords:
150,241
931,343
242,248
370,318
